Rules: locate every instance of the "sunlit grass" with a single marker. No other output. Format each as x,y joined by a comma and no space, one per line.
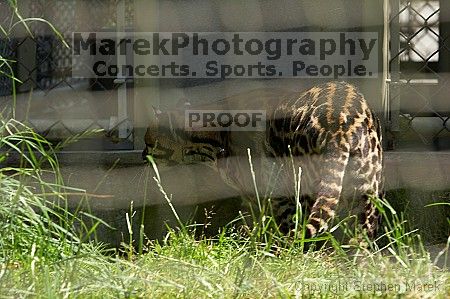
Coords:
182,266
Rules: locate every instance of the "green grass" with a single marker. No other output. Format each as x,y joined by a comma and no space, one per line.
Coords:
42,254
225,267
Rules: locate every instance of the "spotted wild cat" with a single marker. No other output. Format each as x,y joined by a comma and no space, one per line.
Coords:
328,131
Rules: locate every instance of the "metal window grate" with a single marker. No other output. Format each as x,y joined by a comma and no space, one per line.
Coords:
419,83
49,99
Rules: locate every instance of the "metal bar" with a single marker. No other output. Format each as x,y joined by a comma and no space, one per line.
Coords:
394,93
122,109
76,125
385,85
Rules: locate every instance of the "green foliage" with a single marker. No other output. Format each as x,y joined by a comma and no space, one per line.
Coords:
36,224
33,207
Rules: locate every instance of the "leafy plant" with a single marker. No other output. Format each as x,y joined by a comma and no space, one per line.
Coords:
36,224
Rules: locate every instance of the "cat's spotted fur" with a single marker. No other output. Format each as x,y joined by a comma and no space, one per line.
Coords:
328,131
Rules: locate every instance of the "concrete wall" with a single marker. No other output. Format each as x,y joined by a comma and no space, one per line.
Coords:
247,16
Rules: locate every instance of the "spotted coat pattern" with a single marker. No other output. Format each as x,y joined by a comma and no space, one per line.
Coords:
328,132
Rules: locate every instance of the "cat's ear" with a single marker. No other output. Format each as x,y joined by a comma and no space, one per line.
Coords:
156,111
183,103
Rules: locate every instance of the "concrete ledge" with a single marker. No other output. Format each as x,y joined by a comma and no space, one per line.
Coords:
429,170
115,178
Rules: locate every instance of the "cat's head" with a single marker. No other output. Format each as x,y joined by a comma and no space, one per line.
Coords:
169,143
